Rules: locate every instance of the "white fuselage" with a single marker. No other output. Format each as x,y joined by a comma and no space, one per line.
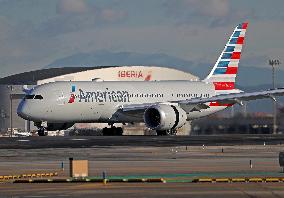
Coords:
100,101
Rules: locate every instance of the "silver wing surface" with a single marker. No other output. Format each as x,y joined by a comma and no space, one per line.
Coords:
200,103
236,97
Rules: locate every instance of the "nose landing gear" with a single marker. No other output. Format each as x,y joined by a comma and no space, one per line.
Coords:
41,129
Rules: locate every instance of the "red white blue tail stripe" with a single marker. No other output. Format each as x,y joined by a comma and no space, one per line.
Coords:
224,72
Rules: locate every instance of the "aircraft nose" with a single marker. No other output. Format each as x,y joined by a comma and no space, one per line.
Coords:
23,110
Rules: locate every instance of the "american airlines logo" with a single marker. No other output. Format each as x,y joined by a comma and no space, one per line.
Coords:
103,96
135,74
99,96
72,95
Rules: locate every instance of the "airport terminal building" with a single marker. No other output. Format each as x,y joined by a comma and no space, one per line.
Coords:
11,87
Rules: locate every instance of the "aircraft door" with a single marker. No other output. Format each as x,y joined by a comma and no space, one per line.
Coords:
60,98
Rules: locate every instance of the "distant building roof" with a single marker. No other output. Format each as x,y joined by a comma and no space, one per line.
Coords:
31,78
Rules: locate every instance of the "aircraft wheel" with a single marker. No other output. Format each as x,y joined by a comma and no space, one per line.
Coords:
172,132
105,131
41,131
113,131
109,131
161,133
118,131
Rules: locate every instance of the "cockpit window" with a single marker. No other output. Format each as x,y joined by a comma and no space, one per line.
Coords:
36,97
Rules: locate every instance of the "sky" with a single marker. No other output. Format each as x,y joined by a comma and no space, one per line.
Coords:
34,33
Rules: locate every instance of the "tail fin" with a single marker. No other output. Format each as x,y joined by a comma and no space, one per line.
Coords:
224,72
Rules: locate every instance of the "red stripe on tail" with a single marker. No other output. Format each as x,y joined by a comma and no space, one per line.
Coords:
232,70
240,40
236,55
245,25
224,85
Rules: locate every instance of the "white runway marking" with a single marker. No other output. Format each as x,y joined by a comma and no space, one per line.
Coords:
78,139
23,140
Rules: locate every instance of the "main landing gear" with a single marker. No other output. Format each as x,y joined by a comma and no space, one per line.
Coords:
171,132
112,131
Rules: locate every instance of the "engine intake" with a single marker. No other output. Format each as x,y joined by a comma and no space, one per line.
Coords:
164,117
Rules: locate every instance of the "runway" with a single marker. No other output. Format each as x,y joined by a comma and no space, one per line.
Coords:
143,141
177,165
177,159
144,190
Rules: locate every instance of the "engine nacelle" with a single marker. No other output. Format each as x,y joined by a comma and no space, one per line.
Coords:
58,126
164,117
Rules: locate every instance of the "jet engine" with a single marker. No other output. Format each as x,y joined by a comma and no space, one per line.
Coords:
164,117
58,126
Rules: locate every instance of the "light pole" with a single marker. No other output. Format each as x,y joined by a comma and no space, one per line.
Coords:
274,63
10,87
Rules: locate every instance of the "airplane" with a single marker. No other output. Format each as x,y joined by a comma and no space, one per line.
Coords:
163,106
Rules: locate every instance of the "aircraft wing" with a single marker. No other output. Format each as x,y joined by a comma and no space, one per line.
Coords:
136,107
199,103
235,97
133,111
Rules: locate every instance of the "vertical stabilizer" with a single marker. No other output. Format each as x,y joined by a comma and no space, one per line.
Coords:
225,70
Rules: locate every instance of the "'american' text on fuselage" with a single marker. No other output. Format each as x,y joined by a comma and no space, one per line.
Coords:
103,96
